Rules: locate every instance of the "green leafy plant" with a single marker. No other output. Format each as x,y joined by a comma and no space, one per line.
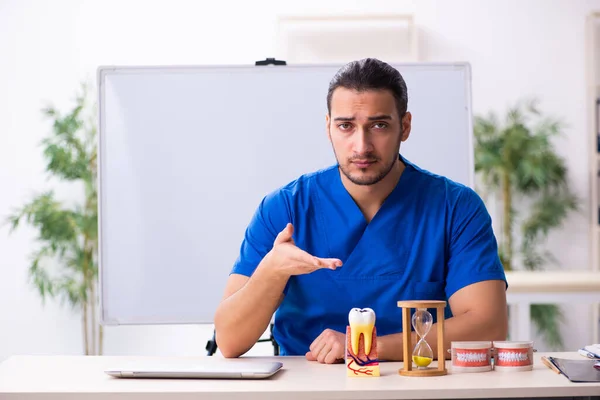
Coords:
64,265
517,163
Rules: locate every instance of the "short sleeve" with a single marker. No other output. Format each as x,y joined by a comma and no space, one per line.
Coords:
473,249
268,220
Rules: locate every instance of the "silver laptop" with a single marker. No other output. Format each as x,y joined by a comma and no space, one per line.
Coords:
209,368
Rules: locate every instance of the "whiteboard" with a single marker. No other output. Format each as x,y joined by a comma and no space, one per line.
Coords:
187,153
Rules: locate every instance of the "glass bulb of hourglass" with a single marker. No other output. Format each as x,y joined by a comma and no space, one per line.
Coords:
422,353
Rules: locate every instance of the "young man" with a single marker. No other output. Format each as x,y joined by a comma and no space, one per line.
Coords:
370,231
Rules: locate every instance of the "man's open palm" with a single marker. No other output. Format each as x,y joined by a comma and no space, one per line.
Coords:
291,260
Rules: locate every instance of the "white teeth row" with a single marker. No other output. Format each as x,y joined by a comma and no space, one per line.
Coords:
471,357
512,356
362,320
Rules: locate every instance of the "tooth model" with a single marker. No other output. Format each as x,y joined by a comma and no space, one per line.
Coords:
361,344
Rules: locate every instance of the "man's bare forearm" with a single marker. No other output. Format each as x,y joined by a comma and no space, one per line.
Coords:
465,327
242,318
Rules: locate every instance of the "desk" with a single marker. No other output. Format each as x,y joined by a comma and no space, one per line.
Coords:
72,377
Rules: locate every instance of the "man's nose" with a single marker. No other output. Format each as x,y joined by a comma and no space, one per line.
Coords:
362,142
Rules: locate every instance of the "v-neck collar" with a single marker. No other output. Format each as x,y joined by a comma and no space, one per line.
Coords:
350,206
343,224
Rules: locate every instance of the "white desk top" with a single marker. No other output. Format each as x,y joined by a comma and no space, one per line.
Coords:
66,377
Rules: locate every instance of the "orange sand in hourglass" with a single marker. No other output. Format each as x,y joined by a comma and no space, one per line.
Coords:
361,351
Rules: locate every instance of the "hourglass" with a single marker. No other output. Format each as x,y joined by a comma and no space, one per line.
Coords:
422,355
421,321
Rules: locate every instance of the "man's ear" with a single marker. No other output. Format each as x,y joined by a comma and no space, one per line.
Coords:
328,126
406,126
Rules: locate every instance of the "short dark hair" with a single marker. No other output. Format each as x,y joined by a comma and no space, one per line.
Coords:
370,74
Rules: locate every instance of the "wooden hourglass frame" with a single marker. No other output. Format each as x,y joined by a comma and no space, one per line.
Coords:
408,370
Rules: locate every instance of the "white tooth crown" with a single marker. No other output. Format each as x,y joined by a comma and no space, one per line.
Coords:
512,356
362,320
471,357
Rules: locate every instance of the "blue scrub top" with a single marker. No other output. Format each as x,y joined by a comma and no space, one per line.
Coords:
430,238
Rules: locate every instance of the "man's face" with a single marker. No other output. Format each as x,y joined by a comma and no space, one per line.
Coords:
365,131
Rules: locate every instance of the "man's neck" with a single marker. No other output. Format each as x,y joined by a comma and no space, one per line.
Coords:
369,198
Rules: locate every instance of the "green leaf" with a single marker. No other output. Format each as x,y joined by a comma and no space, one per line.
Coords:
55,224
72,291
39,276
547,213
532,258
548,318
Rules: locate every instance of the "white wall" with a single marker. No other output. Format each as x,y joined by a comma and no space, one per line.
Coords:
46,48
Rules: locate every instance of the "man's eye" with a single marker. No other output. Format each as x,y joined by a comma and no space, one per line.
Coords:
380,125
344,126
